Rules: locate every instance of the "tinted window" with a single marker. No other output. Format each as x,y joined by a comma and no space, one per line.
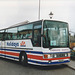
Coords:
25,32
12,33
6,35
1,34
37,34
56,34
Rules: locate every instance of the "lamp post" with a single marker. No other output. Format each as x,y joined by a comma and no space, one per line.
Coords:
39,11
51,15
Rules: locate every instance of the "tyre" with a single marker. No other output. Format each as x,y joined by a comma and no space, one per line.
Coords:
23,58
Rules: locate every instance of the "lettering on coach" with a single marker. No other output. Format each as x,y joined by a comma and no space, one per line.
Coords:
12,44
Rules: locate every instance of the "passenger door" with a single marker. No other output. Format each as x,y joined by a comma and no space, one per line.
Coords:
37,36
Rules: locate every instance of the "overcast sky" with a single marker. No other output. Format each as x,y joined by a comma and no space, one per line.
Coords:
16,11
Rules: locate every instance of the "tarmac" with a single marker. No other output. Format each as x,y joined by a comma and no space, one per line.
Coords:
71,64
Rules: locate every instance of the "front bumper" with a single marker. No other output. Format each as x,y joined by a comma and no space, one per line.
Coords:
48,62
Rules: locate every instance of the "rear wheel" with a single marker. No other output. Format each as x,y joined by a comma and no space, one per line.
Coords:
23,58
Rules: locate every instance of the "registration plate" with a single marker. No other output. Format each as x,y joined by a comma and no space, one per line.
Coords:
60,60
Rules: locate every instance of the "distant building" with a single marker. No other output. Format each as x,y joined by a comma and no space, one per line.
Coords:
72,37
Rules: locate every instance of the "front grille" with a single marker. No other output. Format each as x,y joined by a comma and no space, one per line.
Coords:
58,55
61,55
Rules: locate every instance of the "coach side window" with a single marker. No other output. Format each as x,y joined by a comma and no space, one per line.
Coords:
12,33
6,35
25,32
1,34
37,35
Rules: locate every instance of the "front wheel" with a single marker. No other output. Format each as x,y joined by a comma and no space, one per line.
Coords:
23,58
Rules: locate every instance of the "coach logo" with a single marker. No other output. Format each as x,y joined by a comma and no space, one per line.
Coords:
22,44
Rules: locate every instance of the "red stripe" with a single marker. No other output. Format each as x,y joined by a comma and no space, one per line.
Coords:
9,53
33,56
41,57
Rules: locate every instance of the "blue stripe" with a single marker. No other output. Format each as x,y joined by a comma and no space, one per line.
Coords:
35,52
57,52
21,50
2,55
9,56
46,63
11,50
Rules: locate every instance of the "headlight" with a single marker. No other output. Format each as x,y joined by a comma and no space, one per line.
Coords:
55,55
69,54
48,56
66,54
